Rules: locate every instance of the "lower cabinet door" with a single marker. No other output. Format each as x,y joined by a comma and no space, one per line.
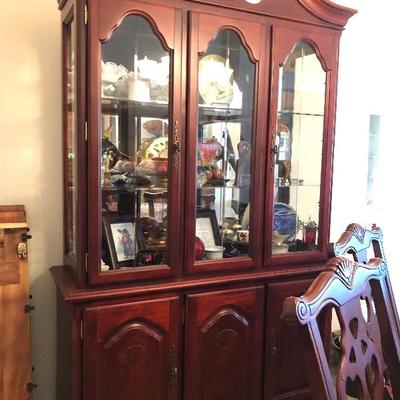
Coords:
224,345
131,350
285,373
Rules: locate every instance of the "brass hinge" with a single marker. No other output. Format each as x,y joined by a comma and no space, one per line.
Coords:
85,14
86,262
81,329
86,130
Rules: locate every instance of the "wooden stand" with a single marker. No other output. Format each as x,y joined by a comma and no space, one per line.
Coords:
15,348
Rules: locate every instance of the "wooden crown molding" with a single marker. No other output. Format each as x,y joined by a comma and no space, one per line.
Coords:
328,11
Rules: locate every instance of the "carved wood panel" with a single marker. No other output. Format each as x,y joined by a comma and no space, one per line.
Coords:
224,345
133,362
345,285
130,351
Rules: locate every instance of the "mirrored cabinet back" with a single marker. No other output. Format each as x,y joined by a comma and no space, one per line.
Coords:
198,147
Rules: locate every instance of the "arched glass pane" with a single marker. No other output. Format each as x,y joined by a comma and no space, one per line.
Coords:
299,137
135,70
224,141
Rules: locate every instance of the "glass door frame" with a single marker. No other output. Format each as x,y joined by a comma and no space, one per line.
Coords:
254,38
73,11
286,37
104,17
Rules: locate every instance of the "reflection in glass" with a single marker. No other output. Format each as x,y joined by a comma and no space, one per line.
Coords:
71,172
135,71
224,140
298,155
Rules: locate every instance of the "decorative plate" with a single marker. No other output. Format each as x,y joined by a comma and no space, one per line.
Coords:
215,80
285,220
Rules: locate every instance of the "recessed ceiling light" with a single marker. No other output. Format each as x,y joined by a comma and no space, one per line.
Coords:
253,1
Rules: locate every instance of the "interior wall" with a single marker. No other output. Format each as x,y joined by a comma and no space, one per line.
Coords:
30,137
368,84
30,143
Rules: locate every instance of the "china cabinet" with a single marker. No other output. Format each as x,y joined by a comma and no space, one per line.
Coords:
198,147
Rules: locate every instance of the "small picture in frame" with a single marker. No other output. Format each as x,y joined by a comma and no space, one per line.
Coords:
207,228
123,239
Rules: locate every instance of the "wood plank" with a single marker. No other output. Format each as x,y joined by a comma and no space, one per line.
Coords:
12,214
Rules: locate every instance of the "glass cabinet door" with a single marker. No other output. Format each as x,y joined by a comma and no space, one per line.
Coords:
221,145
224,147
297,152
70,139
136,156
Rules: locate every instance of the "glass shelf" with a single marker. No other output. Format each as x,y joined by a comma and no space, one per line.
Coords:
295,183
129,189
302,114
113,105
210,114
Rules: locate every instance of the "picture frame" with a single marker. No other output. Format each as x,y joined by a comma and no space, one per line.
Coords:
207,227
124,239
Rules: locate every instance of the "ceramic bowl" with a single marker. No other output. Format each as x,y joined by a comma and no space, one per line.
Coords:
214,253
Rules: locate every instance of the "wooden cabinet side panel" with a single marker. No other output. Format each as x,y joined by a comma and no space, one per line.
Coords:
223,349
69,351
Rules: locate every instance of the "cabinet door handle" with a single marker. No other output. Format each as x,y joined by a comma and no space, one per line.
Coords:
173,367
176,145
273,350
274,150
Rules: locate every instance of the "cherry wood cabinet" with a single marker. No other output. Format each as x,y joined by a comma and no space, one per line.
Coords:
198,149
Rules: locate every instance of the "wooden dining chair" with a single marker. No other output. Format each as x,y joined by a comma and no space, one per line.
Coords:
370,348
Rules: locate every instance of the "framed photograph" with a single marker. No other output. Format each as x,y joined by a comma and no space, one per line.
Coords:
207,228
124,239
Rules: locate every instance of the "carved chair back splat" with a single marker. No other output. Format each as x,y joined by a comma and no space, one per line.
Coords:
370,359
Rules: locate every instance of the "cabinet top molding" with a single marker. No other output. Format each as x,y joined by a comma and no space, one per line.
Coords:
325,11
329,11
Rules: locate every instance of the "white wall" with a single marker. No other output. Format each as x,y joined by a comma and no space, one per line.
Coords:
30,140
369,83
30,147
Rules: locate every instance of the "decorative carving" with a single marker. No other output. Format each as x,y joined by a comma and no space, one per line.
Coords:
303,311
357,240
343,268
226,337
220,314
134,354
358,231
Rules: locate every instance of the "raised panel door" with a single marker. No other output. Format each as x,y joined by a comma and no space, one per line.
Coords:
223,347
285,377
131,351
